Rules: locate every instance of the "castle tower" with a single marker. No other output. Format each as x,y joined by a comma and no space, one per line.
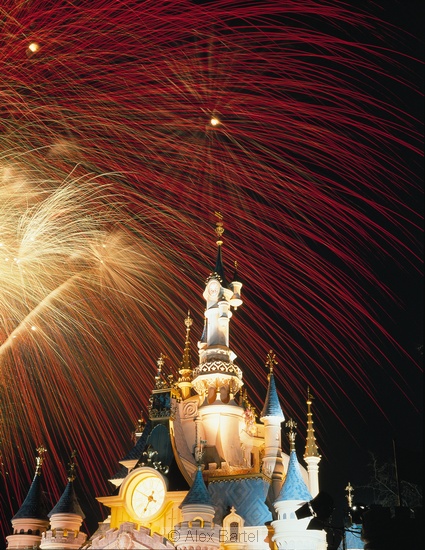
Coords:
217,378
31,520
66,519
272,418
311,454
289,531
197,528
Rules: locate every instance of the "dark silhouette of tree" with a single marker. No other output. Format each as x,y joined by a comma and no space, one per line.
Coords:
388,488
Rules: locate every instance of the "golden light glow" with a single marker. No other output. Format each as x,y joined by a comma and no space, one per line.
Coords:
34,47
214,121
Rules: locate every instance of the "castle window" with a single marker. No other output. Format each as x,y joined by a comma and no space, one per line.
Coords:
234,531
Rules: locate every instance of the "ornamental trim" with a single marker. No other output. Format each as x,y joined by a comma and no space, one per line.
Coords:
218,367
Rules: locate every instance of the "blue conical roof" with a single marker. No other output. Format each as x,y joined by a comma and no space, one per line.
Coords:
271,405
198,493
294,487
33,506
68,503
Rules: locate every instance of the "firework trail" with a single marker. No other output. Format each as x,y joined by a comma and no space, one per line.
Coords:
124,126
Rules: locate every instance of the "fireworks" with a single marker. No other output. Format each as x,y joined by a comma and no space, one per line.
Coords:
125,125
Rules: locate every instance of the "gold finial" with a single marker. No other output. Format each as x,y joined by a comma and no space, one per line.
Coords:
292,426
350,494
39,459
271,361
159,380
161,361
309,395
188,321
72,465
219,229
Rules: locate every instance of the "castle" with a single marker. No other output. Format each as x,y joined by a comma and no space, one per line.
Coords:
204,472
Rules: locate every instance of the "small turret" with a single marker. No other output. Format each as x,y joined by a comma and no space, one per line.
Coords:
293,495
272,418
235,286
66,518
31,520
198,514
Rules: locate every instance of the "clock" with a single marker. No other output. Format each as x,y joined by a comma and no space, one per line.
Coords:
213,288
147,493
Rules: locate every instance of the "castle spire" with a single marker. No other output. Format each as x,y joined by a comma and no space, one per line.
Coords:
185,379
272,417
311,448
311,454
66,517
217,379
294,487
272,406
31,519
219,269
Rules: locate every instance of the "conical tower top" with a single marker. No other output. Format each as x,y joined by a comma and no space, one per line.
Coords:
311,448
272,408
219,268
33,506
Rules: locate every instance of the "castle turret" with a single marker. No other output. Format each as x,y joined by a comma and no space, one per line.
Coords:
197,528
311,454
31,519
288,529
272,418
217,378
66,519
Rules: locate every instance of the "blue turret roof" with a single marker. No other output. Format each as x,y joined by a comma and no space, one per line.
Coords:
294,487
271,405
33,506
198,493
68,503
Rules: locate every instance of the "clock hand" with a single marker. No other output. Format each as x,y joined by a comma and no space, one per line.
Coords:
150,499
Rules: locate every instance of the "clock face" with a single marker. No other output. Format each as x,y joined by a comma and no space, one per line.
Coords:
213,288
148,496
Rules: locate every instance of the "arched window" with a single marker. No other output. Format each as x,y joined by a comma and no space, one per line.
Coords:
234,531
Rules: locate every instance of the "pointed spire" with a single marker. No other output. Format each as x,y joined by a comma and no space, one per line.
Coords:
292,426
272,406
219,269
350,494
198,494
160,382
186,363
33,506
68,502
185,373
311,448
294,486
